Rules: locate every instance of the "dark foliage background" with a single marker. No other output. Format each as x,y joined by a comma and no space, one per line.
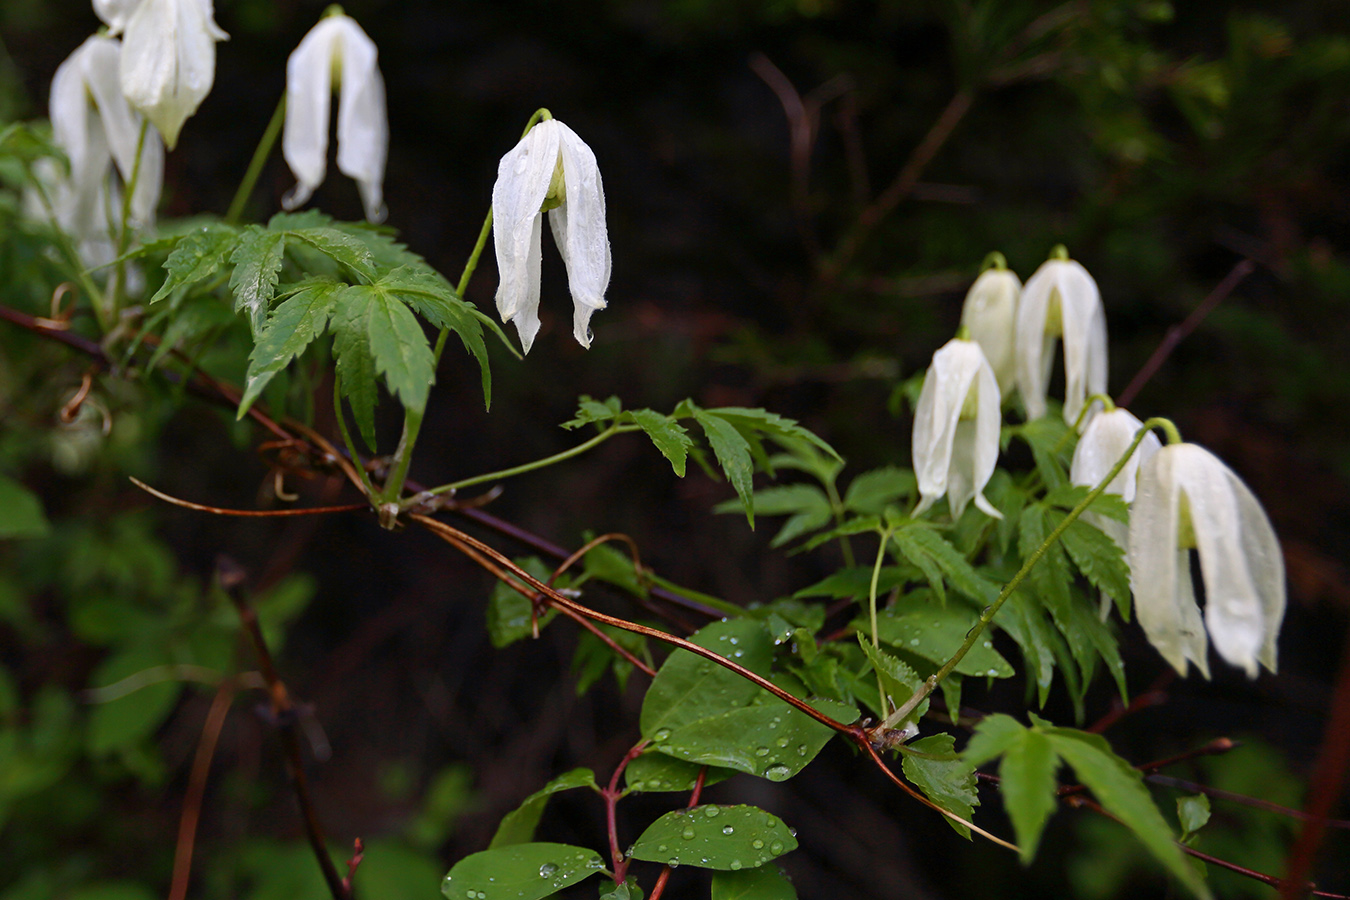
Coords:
1162,145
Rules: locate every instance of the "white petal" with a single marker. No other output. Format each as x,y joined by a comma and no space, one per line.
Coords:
1243,612
952,374
363,126
990,313
1104,441
1084,336
169,61
114,13
579,227
1160,573
309,93
523,177
123,128
69,110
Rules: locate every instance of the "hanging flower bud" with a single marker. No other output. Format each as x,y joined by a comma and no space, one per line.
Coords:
551,169
1060,301
990,315
170,61
1188,499
336,55
956,426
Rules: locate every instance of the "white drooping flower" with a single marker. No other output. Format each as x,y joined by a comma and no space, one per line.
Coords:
169,60
956,428
336,55
550,168
1105,439
97,129
1187,498
990,315
1060,301
115,13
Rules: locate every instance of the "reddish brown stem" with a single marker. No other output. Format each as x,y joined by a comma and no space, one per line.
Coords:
661,879
1194,787
196,789
612,793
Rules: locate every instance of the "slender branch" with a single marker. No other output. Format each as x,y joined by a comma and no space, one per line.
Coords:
231,579
694,796
255,165
196,789
247,513
612,794
1178,333
1195,787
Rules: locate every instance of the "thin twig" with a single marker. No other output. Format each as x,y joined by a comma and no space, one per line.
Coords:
196,789
694,796
1195,787
246,513
612,793
1178,333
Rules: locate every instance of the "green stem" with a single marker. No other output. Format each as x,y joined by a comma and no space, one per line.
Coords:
255,165
347,438
1108,405
992,609
124,236
464,277
883,701
717,603
537,464
837,507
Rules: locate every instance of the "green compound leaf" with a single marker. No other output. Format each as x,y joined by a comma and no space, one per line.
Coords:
196,257
772,425
654,772
1119,787
21,514
918,542
1027,783
593,412
764,883
667,434
293,325
257,259
517,826
993,736
807,505
715,837
870,492
772,740
1098,557
369,316
950,782
688,687
1025,621
733,454
934,632
355,367
520,872
427,291
897,679
342,248
856,582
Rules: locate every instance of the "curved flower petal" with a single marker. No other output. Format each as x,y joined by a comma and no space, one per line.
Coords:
1104,441
955,454
1061,301
990,314
363,126
309,92
523,178
169,61
580,231
115,13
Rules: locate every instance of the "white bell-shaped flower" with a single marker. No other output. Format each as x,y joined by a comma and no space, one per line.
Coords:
93,123
169,61
336,55
115,13
1187,498
956,428
990,315
1060,301
550,168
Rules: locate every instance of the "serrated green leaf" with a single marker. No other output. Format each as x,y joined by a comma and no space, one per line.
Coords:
21,514
934,632
1027,783
668,435
520,871
897,678
1119,788
851,527
773,425
856,582
293,325
1024,621
688,687
355,369
715,837
294,221
771,739
196,257
517,826
195,318
591,411
257,259
1049,582
1085,621
993,736
397,346
1098,557
954,566
340,247
950,783
764,883
426,291
869,493
1051,443
733,454
654,772
1068,496
807,504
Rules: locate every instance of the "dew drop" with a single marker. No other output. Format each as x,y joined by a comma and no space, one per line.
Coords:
661,734
761,751
776,847
782,742
735,640
712,812
993,673
801,749
547,870
637,785
989,645
792,831
687,834
673,863
914,642
778,772
757,844
735,864
727,829
662,848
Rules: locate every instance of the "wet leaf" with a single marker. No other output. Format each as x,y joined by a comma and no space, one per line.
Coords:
715,837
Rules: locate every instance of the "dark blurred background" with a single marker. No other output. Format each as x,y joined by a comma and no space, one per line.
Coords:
744,146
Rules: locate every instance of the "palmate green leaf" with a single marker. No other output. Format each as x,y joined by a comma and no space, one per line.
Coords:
954,566
857,582
293,325
1049,582
1027,783
1067,496
1098,557
593,412
897,678
257,259
688,687
668,435
21,513
517,826
771,740
950,783
934,632
196,257
426,291
1022,618
340,247
356,374
388,332
1086,621
733,454
1119,787
196,318
654,772
807,505
715,837
869,493
764,883
520,871
771,425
